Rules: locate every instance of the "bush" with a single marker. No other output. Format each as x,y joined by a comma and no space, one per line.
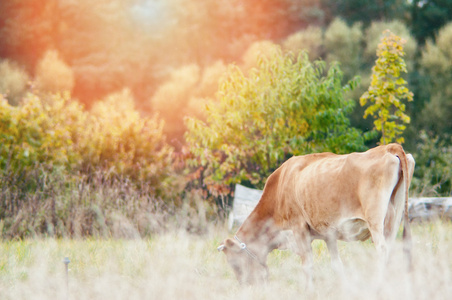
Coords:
118,140
287,106
187,89
39,134
433,172
309,40
36,152
343,43
13,81
53,75
67,171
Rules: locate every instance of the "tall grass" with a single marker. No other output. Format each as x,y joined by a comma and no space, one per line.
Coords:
177,265
96,205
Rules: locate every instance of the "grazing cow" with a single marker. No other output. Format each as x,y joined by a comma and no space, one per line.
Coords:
325,196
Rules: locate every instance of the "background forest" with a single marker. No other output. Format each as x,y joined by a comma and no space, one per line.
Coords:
113,111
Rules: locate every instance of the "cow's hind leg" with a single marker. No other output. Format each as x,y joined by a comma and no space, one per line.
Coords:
303,240
377,206
376,228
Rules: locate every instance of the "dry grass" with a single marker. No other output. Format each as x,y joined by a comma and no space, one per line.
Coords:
180,266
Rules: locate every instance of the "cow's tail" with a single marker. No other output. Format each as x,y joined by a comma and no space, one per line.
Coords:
397,150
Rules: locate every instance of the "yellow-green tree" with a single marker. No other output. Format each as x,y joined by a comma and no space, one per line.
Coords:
387,90
286,106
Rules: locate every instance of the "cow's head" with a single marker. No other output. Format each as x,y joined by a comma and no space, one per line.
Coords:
246,265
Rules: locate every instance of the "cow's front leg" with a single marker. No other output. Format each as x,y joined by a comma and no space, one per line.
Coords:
336,261
303,240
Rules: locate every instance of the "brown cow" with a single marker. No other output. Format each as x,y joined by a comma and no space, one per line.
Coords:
325,196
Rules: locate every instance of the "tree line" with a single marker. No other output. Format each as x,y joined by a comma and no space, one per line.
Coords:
125,109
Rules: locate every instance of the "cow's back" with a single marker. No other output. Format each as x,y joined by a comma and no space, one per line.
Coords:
329,191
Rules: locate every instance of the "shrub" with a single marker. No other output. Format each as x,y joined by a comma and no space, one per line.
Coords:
39,133
343,43
287,106
187,89
53,74
67,171
118,140
36,153
433,172
309,40
13,81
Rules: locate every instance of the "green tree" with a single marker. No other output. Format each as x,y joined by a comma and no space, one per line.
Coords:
286,106
436,65
366,11
427,17
387,90
309,39
433,173
343,43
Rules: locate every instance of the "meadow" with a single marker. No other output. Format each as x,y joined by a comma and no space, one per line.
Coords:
179,265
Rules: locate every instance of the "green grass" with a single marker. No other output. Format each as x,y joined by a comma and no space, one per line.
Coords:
176,265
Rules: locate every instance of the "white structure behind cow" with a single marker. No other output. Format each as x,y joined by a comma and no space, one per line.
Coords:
420,209
245,200
427,209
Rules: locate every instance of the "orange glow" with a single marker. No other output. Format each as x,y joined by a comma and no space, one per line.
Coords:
140,44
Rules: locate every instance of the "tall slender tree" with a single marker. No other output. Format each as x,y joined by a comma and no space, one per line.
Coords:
387,90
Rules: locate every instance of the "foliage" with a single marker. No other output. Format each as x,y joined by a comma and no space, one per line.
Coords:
69,168
433,172
287,106
172,53
50,132
366,12
373,35
187,88
257,50
118,139
53,75
436,63
150,41
38,133
343,44
309,40
387,90
427,17
113,44
13,81
27,30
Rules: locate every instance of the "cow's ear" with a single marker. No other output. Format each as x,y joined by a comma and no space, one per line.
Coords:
232,245
229,243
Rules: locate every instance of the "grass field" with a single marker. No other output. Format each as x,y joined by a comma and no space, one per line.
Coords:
177,265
